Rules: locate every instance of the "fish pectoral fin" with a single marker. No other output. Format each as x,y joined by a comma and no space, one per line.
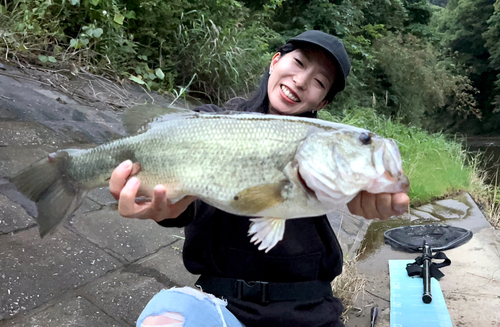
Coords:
267,231
136,169
255,199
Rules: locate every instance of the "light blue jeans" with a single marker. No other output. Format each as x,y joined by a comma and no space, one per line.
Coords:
197,309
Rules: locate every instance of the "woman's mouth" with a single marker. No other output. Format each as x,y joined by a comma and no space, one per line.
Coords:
287,94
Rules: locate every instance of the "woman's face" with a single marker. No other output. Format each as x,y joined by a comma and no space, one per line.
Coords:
299,82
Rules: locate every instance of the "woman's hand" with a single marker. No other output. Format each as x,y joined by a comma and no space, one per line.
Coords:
383,205
126,191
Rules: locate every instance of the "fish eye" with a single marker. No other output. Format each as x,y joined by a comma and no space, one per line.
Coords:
365,138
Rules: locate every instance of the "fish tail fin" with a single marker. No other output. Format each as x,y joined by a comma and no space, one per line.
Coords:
56,194
267,231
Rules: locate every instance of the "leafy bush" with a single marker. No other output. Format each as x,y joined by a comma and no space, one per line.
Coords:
156,43
227,61
217,49
416,85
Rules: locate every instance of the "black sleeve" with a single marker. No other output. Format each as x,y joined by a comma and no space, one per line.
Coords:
184,218
188,215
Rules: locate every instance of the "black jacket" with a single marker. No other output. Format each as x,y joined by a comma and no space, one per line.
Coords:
217,244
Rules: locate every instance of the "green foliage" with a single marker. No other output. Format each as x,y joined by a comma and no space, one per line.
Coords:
339,18
419,12
391,13
24,22
217,49
492,37
469,32
464,23
88,33
154,43
45,59
433,163
227,61
416,85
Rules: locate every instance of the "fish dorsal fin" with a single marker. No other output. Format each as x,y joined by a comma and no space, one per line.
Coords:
139,118
257,198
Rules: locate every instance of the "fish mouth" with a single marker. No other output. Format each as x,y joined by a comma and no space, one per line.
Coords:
288,94
302,181
388,164
388,183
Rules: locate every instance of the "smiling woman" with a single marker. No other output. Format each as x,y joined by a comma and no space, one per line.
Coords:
299,81
312,52
289,285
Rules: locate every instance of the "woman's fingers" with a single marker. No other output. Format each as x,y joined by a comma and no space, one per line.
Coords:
369,205
400,203
158,209
126,192
383,205
126,204
363,205
160,199
354,205
119,178
161,207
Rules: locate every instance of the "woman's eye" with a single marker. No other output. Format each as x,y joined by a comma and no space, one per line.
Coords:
321,84
299,62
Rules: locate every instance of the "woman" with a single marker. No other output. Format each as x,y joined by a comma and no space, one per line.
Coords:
290,285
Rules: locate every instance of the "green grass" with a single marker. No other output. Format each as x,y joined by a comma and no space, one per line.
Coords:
434,164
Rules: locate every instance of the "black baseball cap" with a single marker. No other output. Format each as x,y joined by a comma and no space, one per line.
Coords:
332,46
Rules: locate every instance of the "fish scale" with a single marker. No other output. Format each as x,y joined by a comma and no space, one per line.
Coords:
252,163
274,167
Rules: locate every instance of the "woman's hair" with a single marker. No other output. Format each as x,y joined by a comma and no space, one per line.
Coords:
259,100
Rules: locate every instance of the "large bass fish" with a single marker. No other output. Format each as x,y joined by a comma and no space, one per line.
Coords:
265,166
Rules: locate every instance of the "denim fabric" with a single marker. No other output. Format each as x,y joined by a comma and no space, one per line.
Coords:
198,309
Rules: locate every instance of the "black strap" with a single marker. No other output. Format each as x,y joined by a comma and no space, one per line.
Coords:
415,269
263,292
